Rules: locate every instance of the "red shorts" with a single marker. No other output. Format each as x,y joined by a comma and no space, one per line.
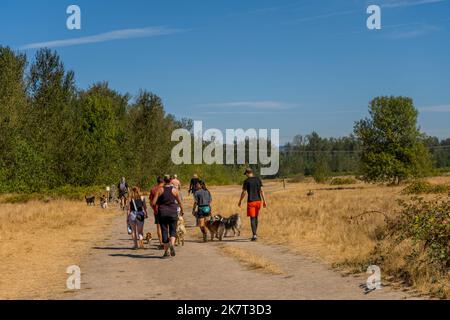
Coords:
253,209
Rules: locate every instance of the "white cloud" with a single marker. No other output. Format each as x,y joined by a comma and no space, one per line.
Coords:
439,109
412,31
104,37
264,105
407,3
325,16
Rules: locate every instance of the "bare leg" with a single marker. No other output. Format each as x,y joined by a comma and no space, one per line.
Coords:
158,230
134,234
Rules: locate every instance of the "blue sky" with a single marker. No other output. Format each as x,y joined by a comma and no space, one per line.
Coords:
299,65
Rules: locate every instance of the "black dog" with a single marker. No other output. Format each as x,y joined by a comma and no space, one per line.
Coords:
232,223
90,201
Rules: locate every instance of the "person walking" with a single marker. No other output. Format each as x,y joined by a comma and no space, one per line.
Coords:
123,192
253,187
168,201
202,206
193,184
153,194
177,184
137,214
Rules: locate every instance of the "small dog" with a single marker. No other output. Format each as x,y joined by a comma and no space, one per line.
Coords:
148,238
103,202
215,227
181,231
234,223
90,201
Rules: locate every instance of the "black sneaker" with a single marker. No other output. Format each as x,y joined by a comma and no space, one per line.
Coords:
166,255
172,251
254,238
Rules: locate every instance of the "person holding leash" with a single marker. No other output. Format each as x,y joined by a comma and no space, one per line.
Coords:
153,192
123,192
168,201
202,206
137,214
256,199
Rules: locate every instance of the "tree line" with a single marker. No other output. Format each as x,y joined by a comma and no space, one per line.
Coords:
386,146
54,134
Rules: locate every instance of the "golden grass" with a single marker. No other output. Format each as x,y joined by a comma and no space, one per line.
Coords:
320,226
251,261
38,241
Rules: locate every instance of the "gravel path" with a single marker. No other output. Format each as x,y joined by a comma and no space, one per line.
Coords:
202,271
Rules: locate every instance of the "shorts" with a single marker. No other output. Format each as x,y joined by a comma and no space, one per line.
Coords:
132,219
203,212
253,209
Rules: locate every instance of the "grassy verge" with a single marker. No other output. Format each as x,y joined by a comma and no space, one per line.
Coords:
38,241
321,225
250,260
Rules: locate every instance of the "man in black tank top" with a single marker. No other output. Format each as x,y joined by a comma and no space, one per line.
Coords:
168,201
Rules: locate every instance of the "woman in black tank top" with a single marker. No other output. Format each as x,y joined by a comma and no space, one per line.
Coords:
168,201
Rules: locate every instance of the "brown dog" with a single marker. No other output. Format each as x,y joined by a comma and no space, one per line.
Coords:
215,227
148,238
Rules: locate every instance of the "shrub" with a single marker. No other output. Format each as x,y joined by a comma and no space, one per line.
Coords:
421,187
297,178
321,172
427,224
342,181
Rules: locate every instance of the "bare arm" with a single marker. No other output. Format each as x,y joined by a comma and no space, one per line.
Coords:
177,197
155,199
244,192
263,197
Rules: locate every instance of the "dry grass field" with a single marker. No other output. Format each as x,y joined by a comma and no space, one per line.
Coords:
38,241
320,226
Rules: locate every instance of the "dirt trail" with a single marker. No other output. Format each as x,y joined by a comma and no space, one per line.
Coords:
201,271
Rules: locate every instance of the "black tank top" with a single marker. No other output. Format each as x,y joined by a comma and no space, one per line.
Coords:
167,204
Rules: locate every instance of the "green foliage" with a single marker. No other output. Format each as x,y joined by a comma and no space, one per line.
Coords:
64,192
342,181
427,223
321,171
423,187
302,155
393,149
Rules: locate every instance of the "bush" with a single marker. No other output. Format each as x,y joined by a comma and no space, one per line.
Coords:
67,193
297,178
427,224
423,187
342,181
321,172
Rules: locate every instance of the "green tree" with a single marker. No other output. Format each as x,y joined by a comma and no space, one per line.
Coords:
13,102
392,147
51,118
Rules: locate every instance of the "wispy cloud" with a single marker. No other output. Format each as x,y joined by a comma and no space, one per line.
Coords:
407,3
104,37
261,105
325,16
438,109
412,31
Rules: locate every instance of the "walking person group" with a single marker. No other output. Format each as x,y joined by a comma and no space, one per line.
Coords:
166,201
